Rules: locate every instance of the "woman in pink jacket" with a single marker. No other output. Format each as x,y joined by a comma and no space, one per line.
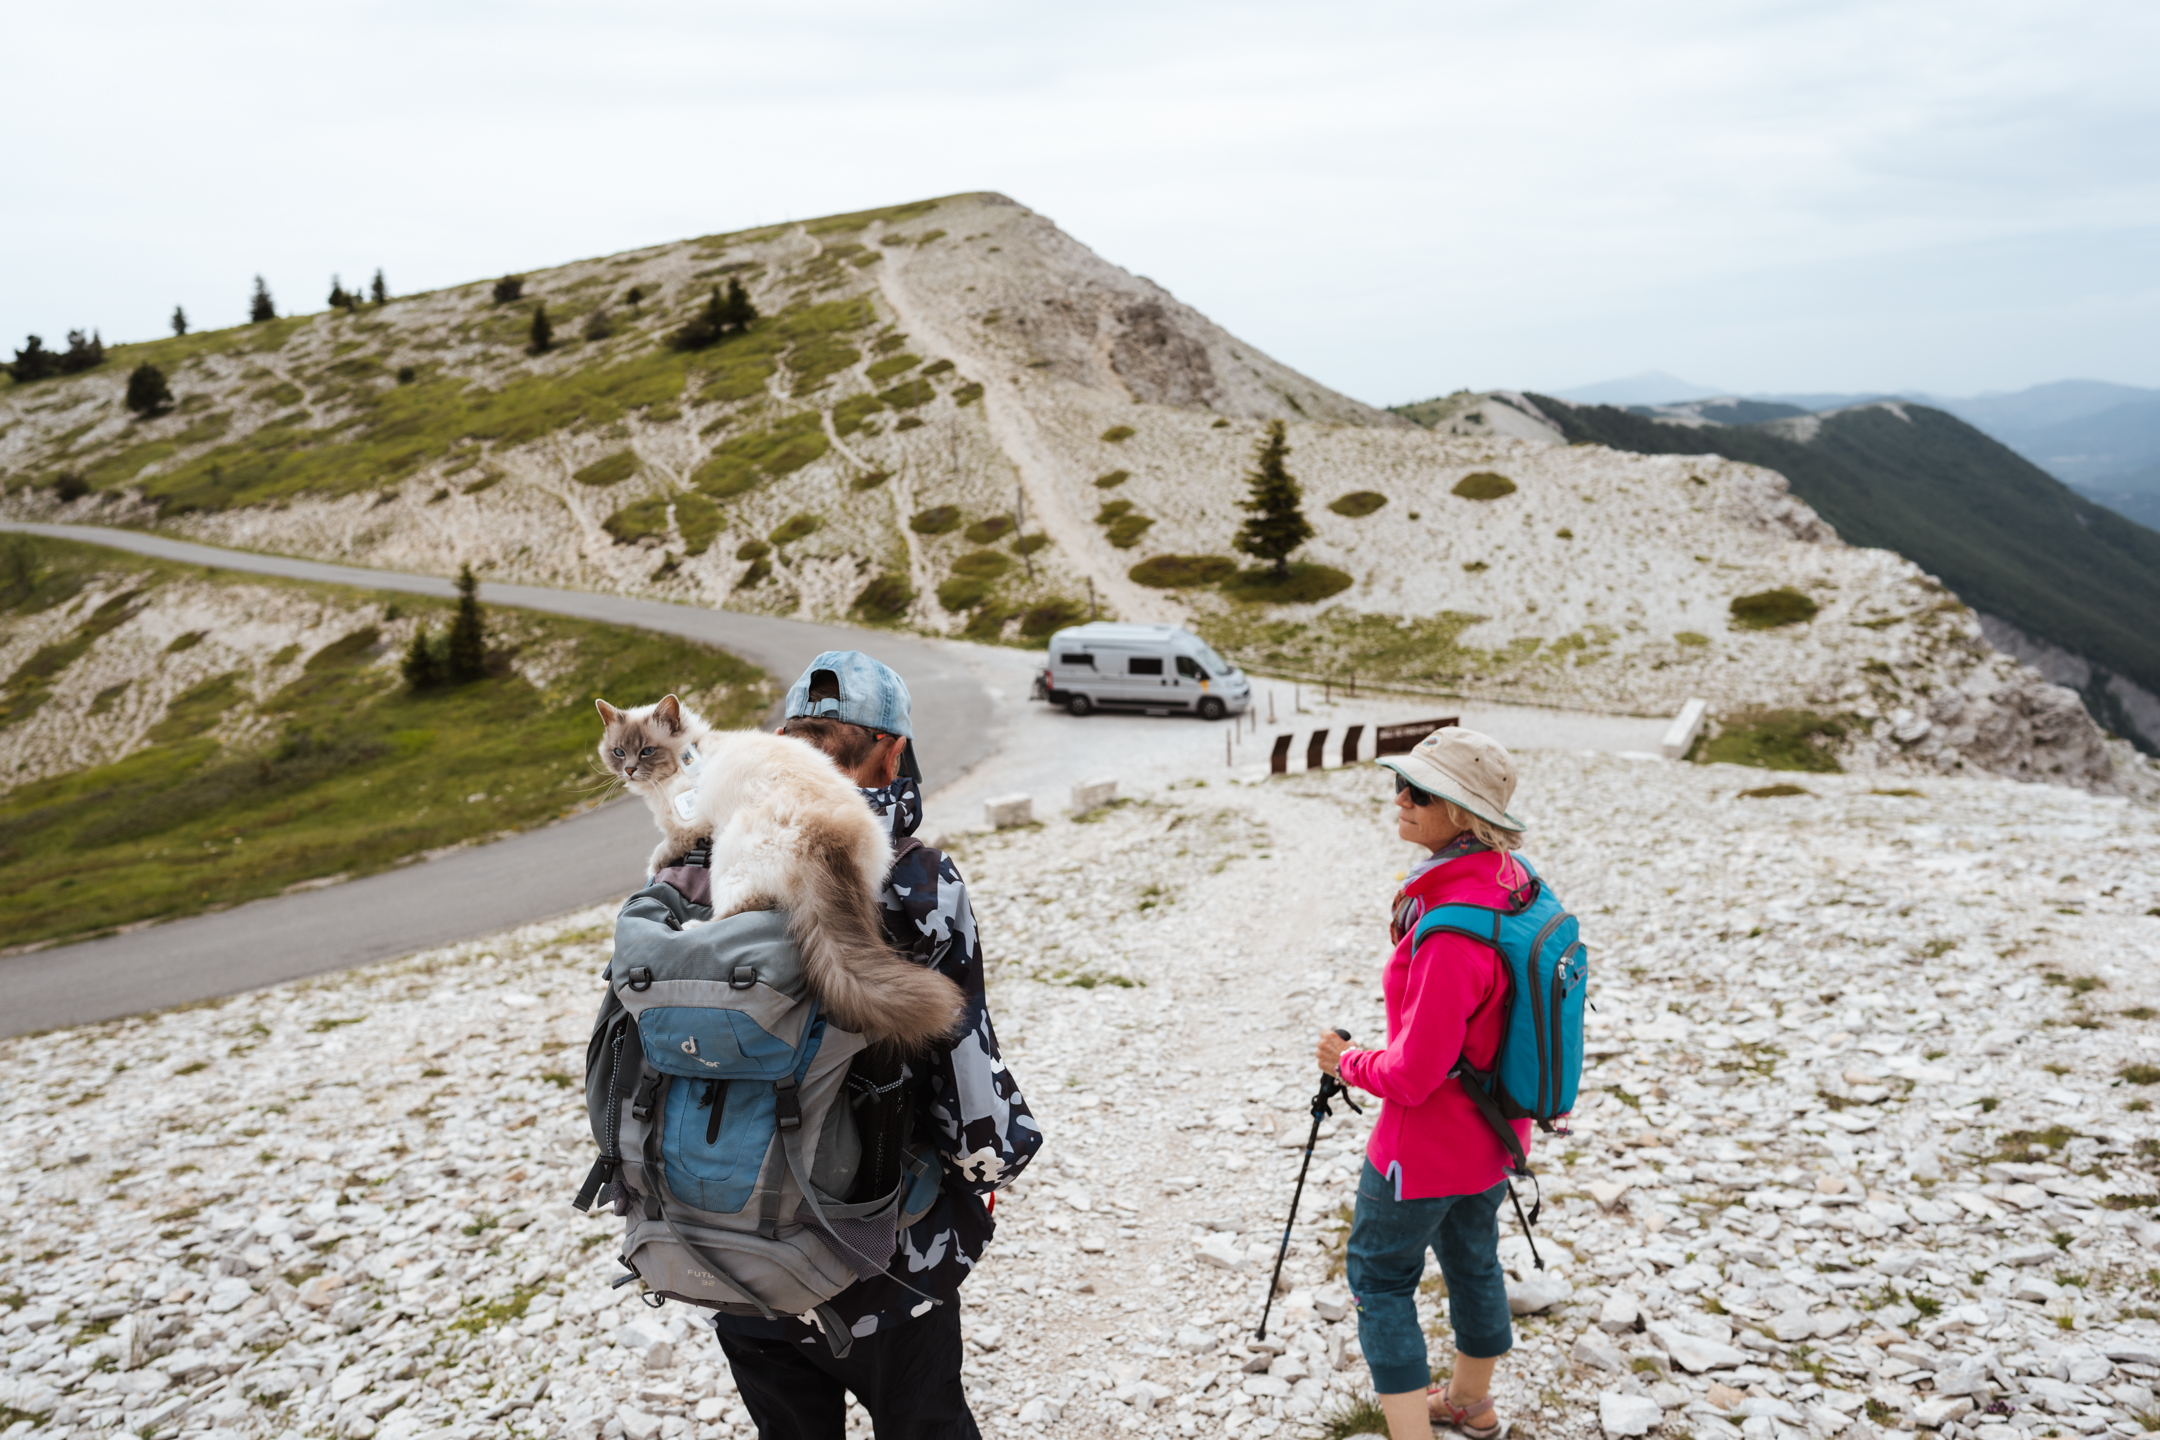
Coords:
1434,1174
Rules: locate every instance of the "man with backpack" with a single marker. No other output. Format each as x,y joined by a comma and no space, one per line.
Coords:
958,1100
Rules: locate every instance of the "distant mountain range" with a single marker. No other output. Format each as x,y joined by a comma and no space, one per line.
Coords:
2011,540
2100,438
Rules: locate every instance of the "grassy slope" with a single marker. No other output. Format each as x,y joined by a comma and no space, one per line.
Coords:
2007,537
362,775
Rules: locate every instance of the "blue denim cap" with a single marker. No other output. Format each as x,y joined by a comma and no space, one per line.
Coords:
872,695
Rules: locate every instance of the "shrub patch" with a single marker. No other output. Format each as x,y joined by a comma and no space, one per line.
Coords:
1484,485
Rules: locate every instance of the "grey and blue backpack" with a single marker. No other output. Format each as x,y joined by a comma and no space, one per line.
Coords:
758,1154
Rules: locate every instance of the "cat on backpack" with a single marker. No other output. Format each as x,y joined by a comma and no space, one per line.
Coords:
789,832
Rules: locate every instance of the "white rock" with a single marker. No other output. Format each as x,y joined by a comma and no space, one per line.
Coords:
1607,1193
1694,1353
1622,1414
1221,1251
1934,1414
1195,1341
1619,1313
1331,1303
1039,1411
349,1382
637,1424
1595,1349
1793,1325
227,1294
1961,1375
1539,1292
1001,813
318,1292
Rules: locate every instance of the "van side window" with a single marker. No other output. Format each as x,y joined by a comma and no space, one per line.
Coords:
1190,668
1143,665
1081,659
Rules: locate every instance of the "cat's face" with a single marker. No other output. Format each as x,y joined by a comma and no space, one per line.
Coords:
642,747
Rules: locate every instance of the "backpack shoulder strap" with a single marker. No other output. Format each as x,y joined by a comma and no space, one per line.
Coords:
1478,922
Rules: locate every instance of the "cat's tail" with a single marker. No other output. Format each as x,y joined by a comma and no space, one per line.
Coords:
863,983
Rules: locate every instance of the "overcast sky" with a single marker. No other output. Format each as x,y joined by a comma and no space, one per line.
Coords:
1398,199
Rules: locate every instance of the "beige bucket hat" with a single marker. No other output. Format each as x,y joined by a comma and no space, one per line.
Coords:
1473,770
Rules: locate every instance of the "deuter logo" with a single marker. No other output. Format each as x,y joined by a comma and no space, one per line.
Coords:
689,1047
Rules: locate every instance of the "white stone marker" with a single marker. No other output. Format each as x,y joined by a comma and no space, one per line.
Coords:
1008,810
1685,727
1092,795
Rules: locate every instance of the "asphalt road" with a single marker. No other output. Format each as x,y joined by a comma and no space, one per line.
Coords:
588,858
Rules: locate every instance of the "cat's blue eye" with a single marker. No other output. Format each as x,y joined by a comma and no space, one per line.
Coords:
644,752
618,751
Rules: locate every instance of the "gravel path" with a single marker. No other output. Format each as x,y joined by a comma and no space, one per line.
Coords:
1848,1161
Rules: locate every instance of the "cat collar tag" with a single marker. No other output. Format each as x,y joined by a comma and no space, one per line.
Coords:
685,803
689,759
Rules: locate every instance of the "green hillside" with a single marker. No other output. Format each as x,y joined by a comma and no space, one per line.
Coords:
2009,538
339,769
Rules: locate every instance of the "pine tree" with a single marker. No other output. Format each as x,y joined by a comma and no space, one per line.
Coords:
509,288
1277,526
259,307
737,310
421,666
83,352
633,296
465,654
380,290
33,362
147,392
179,321
339,300
543,333
704,328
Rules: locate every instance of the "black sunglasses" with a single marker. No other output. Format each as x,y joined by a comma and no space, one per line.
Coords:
1418,797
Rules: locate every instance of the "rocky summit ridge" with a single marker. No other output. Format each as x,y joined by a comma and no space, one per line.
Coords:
955,417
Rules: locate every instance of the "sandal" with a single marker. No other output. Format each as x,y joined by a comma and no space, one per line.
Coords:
1475,1421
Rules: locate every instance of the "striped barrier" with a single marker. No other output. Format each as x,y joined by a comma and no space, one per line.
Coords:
1387,740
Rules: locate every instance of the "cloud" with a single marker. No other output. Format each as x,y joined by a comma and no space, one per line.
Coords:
1396,198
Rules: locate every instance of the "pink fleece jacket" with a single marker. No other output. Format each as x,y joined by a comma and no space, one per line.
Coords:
1442,1001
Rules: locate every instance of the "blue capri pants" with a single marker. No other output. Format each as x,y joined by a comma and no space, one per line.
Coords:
1388,1241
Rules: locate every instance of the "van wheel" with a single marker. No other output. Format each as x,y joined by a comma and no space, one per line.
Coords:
1212,708
1078,705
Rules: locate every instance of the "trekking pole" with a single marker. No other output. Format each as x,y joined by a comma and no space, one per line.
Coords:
1330,1087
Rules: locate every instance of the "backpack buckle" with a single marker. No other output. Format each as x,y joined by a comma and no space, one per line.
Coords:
641,978
787,1108
648,1091
742,977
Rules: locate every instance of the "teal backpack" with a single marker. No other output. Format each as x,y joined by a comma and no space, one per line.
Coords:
1538,1067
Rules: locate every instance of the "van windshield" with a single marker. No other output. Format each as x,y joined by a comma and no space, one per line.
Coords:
1215,663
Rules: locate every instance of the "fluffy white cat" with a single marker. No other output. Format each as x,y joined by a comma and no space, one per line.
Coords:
789,832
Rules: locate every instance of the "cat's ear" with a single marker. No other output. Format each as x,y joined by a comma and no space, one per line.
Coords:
669,713
609,715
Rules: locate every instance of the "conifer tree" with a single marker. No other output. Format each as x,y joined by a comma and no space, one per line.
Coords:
83,352
147,392
465,653
737,311
1277,526
543,333
179,321
339,300
260,307
509,288
380,290
633,296
421,666
33,362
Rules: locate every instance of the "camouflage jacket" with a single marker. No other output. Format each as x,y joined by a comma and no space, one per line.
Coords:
970,1104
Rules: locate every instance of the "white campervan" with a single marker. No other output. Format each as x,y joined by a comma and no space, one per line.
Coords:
1153,668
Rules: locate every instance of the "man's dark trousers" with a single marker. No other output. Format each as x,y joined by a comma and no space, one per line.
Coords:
907,1378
